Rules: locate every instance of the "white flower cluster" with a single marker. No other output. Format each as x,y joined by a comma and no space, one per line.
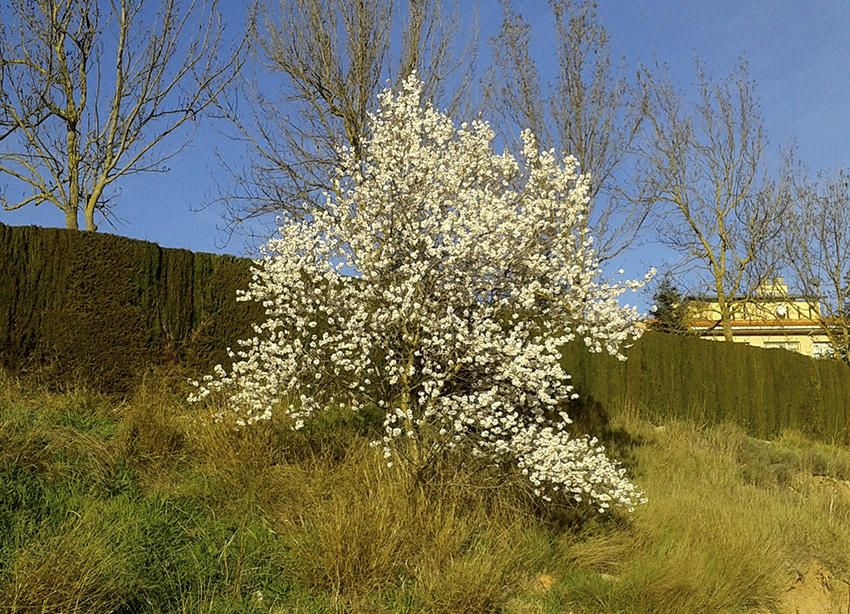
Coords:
439,284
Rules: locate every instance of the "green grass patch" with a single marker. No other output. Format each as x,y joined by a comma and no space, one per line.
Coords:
146,505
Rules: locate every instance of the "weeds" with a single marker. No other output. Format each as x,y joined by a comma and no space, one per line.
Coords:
145,505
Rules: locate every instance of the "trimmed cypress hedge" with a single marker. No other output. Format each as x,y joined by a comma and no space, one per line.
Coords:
101,308
765,391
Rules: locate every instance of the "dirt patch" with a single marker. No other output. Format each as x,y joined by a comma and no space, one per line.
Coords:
544,582
816,591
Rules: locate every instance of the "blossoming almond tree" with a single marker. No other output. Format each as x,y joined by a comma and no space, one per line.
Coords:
439,287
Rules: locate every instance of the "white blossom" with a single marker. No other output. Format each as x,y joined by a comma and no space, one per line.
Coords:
439,285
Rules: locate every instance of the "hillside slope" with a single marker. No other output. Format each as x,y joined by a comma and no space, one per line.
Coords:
145,505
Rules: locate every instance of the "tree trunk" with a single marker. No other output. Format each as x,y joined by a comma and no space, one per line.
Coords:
89,217
725,316
71,220
727,328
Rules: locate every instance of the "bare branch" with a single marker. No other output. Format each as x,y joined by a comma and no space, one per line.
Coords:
816,240
80,132
704,167
586,111
322,64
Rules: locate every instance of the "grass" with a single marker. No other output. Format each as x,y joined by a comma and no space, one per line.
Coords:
143,505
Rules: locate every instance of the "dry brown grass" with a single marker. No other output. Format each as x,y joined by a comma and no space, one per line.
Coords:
363,533
77,571
319,516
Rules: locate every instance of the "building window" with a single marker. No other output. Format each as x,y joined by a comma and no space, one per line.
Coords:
793,346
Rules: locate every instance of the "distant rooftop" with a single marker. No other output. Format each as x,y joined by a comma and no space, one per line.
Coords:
773,290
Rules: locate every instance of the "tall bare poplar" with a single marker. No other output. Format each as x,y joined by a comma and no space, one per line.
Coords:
323,63
92,91
817,242
703,164
586,109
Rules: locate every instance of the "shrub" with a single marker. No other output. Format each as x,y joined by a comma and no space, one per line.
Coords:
439,284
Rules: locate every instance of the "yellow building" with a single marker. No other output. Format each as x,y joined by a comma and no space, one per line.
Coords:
772,318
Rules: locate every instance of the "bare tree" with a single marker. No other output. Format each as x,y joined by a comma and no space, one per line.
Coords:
7,124
92,91
818,247
703,165
587,110
325,61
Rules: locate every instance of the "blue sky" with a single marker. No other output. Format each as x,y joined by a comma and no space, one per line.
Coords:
797,53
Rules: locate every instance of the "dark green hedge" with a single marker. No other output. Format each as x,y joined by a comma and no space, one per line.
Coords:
100,308
765,391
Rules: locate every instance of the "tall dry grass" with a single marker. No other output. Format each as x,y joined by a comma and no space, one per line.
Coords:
723,530
145,504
